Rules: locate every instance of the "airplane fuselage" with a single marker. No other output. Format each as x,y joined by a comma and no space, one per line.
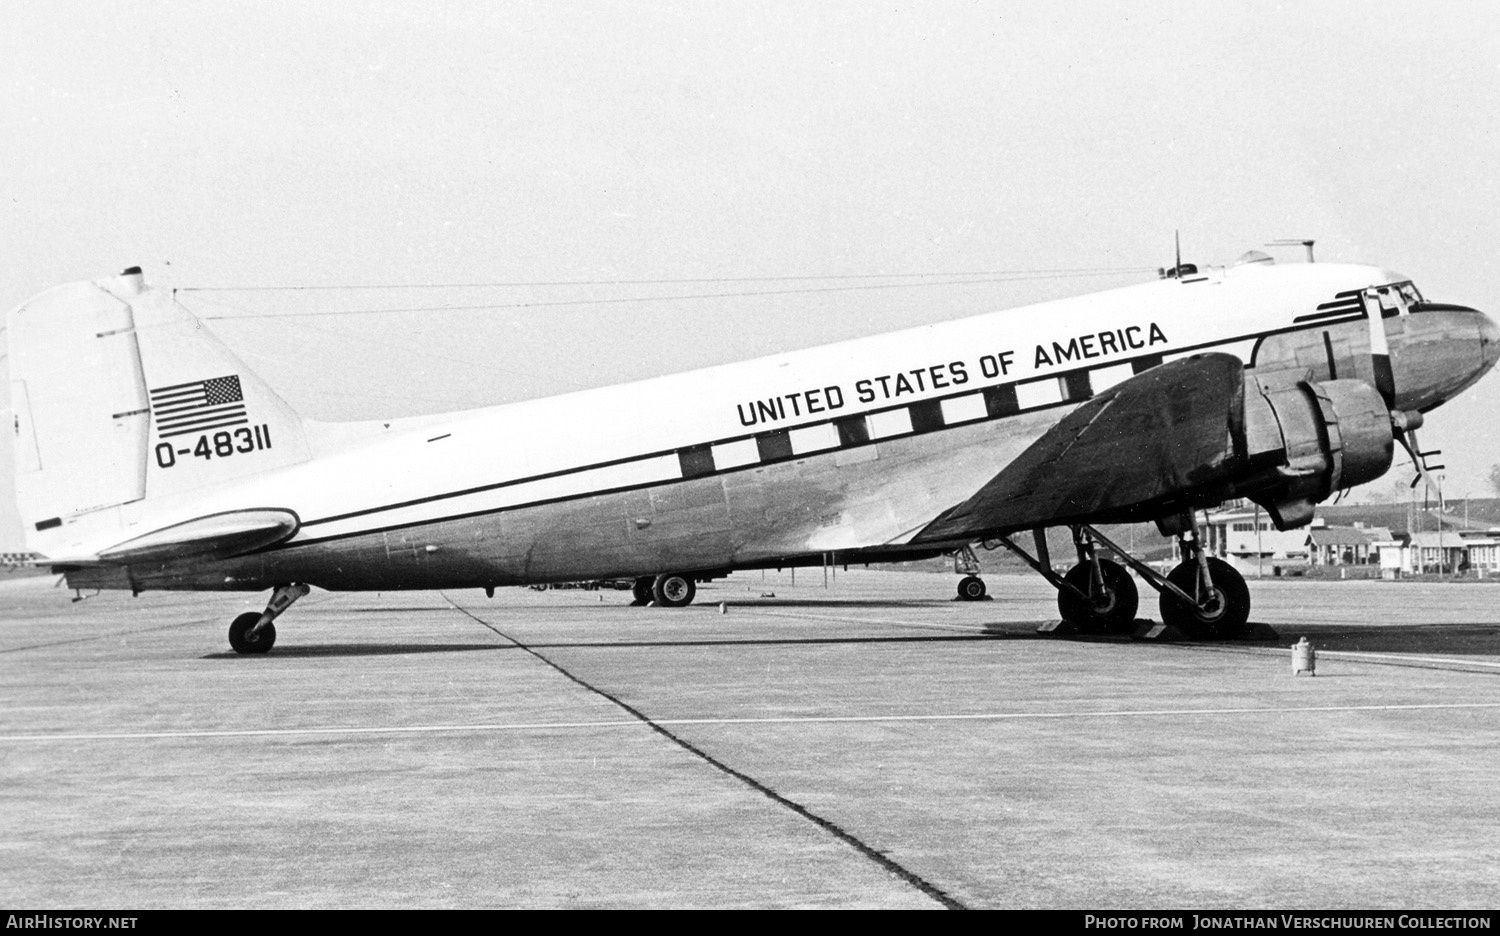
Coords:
847,449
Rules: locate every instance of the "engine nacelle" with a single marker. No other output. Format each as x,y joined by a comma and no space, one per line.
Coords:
1308,440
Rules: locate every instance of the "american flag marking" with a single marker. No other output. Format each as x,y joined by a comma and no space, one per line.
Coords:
199,406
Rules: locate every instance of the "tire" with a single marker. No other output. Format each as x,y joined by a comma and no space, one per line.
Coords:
674,590
239,631
640,591
1116,615
971,588
1224,619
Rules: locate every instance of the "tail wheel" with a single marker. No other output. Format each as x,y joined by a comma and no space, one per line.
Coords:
1219,616
674,590
971,588
1113,612
239,634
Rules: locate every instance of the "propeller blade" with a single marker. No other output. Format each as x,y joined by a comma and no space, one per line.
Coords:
1408,440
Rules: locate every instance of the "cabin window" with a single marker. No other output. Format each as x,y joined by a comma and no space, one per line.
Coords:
814,438
735,454
890,423
1106,377
1034,393
964,409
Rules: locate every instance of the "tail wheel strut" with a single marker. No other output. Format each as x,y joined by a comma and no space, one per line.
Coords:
254,633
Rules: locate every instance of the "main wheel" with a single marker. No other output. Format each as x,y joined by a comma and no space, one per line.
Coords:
971,588
1225,612
239,634
641,590
674,590
1111,613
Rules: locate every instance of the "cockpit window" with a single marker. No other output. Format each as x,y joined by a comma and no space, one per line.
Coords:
1396,298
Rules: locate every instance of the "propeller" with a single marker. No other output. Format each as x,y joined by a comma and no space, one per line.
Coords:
1404,424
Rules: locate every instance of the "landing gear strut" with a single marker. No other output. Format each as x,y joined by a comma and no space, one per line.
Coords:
254,633
1209,599
1103,598
971,586
1096,596
1204,597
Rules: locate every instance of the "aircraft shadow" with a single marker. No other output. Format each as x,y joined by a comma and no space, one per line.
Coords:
357,650
409,609
770,641
1445,639
751,603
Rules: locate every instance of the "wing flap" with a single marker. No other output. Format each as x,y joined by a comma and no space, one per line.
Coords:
1146,440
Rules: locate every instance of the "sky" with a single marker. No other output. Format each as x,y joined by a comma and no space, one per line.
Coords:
722,175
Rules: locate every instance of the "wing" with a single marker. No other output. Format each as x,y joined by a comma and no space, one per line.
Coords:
1133,448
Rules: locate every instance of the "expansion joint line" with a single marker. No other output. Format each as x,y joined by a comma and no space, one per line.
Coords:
905,874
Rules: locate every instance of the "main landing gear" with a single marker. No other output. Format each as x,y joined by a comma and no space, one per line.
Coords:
253,632
1203,597
668,590
971,587
1213,604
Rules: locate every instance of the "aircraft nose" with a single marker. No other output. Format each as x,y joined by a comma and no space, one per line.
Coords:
1489,341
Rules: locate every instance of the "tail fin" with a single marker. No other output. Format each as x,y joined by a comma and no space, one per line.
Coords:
126,404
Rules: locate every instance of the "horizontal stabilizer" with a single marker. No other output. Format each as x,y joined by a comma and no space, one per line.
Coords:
1160,434
217,536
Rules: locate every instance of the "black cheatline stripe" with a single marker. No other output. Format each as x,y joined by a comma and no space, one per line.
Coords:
168,435
198,412
759,462
1189,349
561,498
546,476
910,877
1332,317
